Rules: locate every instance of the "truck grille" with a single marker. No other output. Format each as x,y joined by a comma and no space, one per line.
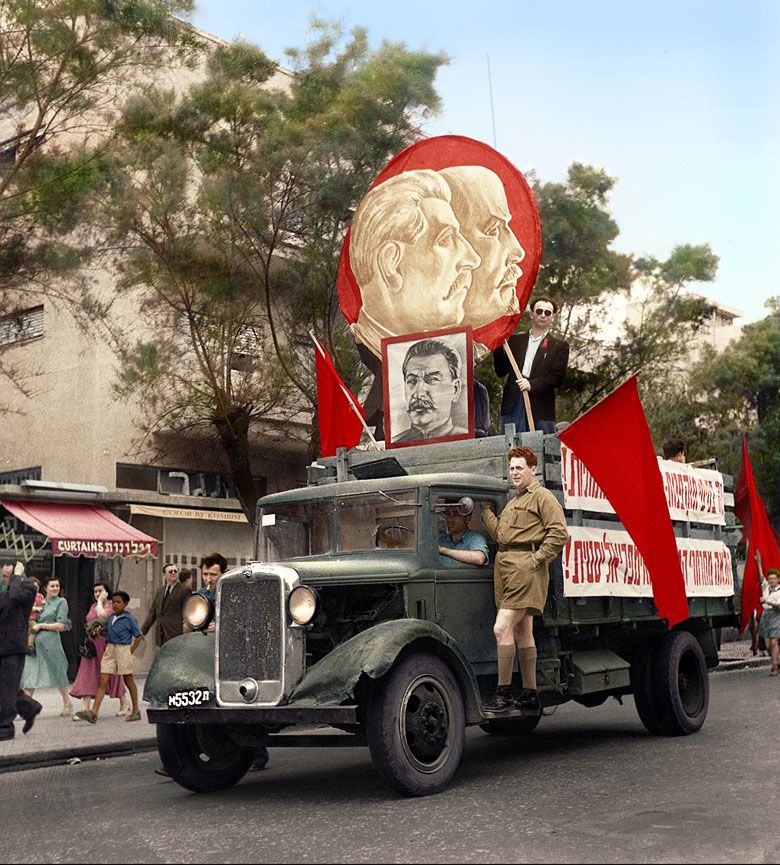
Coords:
250,629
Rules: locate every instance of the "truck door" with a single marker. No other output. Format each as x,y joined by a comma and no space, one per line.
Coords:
465,606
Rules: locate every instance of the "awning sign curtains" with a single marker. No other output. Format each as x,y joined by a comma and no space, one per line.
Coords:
84,530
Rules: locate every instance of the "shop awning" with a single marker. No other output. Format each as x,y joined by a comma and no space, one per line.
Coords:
81,529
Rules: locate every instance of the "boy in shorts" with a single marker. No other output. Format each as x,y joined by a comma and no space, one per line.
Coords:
124,637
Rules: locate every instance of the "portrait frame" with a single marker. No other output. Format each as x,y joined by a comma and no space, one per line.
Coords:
397,421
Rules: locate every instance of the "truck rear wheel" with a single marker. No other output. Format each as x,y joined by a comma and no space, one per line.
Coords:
643,684
682,687
416,726
202,758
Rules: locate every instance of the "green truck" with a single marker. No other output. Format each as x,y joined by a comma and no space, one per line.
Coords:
348,630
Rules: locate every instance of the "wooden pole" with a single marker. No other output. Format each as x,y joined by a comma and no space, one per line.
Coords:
519,375
348,395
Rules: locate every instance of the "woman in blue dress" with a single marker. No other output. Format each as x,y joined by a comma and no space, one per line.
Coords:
48,667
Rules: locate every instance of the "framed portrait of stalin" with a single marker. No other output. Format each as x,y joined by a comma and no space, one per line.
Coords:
428,381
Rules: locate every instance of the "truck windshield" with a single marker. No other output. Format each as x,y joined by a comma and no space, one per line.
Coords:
295,530
377,521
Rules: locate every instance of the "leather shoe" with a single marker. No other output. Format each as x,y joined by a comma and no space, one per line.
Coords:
501,702
30,719
528,701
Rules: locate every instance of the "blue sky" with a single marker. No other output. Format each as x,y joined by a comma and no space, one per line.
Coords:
680,101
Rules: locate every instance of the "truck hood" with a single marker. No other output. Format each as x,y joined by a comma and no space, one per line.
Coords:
358,568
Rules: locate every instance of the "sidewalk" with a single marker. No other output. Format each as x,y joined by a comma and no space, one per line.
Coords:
736,655
55,740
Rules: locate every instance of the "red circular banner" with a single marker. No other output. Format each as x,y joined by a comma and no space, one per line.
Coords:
432,255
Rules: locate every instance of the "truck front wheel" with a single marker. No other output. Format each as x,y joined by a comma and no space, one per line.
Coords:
416,726
202,758
682,688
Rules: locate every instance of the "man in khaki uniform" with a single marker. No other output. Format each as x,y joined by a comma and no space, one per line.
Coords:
530,533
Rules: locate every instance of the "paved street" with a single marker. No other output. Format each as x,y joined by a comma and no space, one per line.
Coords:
589,786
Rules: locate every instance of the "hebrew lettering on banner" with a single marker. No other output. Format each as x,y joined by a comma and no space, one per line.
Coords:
695,495
599,562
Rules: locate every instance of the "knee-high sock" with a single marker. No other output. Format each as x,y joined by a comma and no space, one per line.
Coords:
527,663
506,661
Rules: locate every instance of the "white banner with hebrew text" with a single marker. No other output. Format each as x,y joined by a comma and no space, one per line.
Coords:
693,494
599,562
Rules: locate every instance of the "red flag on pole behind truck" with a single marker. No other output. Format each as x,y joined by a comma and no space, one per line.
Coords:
341,416
613,441
758,532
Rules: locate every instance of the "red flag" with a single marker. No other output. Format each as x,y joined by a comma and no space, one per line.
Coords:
613,441
759,534
341,416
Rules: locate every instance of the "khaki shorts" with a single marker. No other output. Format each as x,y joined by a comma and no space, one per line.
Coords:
117,660
519,584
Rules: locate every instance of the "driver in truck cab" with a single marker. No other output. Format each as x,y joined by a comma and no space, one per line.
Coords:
460,545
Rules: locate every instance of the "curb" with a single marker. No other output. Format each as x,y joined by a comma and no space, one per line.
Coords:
742,664
22,762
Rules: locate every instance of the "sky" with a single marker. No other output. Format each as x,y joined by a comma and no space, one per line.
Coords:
679,101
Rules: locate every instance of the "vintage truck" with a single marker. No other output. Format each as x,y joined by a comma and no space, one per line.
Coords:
348,622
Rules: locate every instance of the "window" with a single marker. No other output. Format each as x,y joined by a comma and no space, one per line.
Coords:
10,148
295,530
18,475
212,485
21,326
377,521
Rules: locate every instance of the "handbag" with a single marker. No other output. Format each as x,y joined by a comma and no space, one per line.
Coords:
87,648
31,635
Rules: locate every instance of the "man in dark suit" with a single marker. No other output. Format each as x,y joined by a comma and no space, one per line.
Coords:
15,606
543,360
167,606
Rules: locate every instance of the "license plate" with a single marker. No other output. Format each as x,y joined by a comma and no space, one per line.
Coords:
186,699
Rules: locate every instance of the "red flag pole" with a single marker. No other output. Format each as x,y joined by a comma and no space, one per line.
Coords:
347,394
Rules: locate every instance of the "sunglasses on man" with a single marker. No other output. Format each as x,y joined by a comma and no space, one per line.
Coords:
545,312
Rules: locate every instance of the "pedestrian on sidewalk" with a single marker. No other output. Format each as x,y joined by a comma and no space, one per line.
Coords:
124,637
48,667
87,679
166,609
769,628
16,601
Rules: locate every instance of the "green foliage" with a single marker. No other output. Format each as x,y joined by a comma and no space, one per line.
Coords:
62,64
621,315
725,394
238,194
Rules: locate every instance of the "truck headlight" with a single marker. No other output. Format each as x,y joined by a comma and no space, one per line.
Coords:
302,604
198,611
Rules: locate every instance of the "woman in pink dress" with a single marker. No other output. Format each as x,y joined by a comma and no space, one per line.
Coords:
85,685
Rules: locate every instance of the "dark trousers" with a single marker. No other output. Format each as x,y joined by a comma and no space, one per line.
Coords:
519,418
13,701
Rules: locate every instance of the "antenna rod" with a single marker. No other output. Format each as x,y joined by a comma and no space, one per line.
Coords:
492,110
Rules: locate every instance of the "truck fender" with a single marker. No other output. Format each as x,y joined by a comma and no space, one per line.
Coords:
182,663
372,653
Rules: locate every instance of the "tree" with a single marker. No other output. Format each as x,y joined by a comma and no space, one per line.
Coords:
258,178
61,66
728,393
589,280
